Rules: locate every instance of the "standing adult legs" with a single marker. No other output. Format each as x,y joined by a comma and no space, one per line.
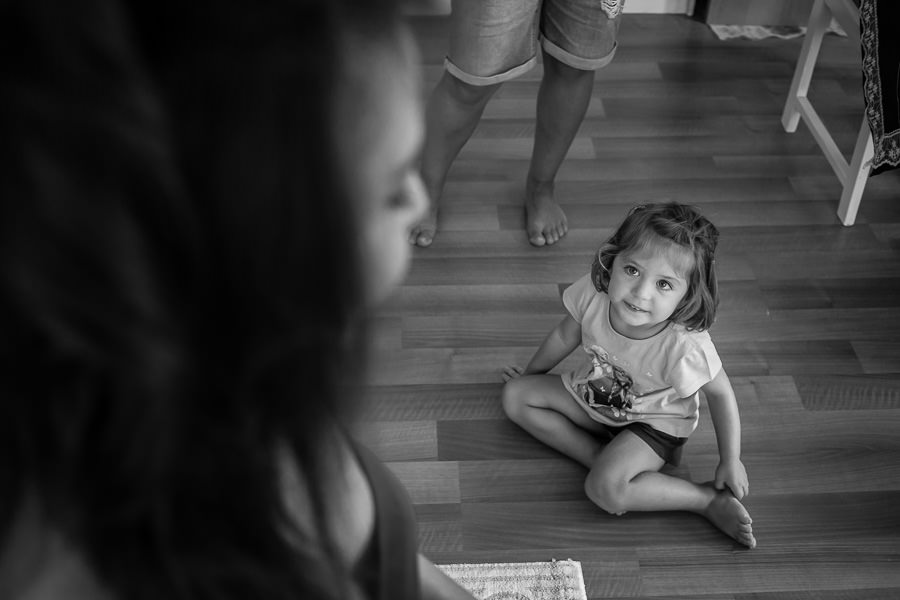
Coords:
562,102
453,112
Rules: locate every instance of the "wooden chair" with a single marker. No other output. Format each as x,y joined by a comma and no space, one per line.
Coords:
852,175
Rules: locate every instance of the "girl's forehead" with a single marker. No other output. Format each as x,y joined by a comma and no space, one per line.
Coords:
678,258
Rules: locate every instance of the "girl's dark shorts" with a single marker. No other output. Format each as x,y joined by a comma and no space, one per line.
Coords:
668,447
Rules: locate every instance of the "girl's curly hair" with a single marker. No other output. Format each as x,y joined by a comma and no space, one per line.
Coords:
681,225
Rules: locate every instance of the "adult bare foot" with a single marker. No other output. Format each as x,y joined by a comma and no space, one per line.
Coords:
728,514
422,234
545,221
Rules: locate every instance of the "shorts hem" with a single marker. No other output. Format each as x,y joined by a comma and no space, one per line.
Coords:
577,62
668,447
481,81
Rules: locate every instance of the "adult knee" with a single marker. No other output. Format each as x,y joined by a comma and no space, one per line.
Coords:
605,492
561,70
468,94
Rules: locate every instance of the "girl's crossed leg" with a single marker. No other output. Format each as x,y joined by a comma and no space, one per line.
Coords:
624,474
541,405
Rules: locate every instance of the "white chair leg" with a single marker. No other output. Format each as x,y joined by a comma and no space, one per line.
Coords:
855,182
819,21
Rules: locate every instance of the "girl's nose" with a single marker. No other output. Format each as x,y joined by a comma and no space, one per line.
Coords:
643,289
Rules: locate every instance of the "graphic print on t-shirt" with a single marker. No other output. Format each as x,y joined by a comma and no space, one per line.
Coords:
604,384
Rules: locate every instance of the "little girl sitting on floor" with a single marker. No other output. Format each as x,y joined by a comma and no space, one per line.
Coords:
641,317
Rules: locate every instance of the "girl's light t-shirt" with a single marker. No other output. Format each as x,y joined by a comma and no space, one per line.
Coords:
621,380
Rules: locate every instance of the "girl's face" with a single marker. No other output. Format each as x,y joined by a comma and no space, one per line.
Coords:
380,139
646,285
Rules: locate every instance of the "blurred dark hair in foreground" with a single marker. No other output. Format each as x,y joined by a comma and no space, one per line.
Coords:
175,306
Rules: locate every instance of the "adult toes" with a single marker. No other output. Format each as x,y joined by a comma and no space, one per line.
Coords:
537,239
424,239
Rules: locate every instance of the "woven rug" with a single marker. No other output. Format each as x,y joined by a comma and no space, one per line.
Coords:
555,580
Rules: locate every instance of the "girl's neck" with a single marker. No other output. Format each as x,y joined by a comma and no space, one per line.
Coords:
644,332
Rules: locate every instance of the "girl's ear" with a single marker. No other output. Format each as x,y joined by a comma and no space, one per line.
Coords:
600,271
635,209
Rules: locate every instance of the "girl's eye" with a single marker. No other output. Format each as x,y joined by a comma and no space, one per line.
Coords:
664,285
629,270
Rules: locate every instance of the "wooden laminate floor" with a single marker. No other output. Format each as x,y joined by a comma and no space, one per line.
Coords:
809,327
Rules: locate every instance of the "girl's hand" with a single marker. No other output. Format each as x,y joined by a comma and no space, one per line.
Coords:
733,475
511,372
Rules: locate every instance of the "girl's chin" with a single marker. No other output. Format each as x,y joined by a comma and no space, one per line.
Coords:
634,324
631,316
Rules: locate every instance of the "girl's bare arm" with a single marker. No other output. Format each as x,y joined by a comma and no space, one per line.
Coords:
726,420
558,344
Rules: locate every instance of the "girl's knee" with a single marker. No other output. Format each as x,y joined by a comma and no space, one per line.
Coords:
606,492
513,399
517,398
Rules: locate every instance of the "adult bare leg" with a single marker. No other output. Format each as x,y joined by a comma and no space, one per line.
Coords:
453,112
562,102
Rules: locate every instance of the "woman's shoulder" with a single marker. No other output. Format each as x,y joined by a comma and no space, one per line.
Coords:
349,498
38,563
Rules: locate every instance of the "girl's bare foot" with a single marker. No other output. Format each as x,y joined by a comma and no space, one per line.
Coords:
422,234
728,514
545,221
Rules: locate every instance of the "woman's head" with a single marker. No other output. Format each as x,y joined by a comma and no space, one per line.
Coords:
686,239
183,273
296,123
379,131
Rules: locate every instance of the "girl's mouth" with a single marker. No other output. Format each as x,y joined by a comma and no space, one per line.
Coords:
634,308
